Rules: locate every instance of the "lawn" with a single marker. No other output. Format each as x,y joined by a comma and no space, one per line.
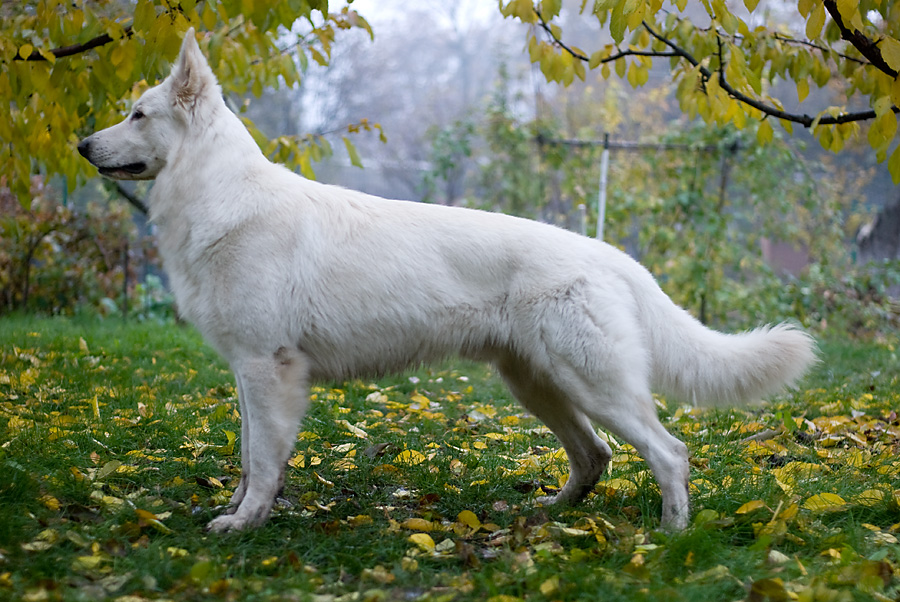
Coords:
120,441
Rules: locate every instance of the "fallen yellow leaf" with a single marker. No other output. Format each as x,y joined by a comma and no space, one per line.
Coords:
50,501
423,541
869,497
824,502
420,399
750,507
354,430
468,518
151,519
379,574
550,586
623,485
418,524
359,520
410,456
228,448
87,562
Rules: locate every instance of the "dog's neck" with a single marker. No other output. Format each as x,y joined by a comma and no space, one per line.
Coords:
194,201
195,169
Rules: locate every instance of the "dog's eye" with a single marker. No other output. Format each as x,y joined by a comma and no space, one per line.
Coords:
137,115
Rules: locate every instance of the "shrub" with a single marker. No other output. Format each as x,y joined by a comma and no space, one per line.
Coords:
56,259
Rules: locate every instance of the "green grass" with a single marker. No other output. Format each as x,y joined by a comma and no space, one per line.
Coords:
117,447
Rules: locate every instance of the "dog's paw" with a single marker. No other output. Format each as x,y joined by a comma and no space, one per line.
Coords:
227,523
563,498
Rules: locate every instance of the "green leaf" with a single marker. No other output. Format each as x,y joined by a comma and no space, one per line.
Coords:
618,22
597,57
816,22
550,8
764,134
890,52
848,9
894,166
201,571
802,89
107,469
351,151
228,448
882,131
144,16
804,6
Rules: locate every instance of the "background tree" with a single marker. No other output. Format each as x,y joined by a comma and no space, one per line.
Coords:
68,68
726,61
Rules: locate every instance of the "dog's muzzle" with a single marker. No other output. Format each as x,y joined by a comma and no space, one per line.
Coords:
117,171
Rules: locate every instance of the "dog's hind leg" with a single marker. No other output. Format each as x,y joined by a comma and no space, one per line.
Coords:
634,419
627,409
601,366
274,401
588,454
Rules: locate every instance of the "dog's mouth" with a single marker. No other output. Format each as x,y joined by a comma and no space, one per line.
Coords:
124,171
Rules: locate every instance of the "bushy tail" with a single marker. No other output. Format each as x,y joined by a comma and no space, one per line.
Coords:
702,366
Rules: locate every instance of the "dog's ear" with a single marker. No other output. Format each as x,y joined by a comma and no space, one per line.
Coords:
191,75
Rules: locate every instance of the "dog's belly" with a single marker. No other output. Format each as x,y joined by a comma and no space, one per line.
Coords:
369,350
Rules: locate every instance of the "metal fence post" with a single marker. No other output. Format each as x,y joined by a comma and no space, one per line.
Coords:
601,201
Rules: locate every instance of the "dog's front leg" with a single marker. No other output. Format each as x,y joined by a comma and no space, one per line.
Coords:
241,488
273,401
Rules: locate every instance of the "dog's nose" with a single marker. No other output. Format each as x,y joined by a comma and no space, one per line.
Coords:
84,147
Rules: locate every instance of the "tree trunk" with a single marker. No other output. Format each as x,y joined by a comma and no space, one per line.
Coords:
880,238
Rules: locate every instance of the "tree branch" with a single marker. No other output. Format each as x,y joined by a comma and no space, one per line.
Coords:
803,119
868,48
133,200
64,51
871,52
823,49
789,40
613,57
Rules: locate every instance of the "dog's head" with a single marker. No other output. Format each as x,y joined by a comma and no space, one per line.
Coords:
139,147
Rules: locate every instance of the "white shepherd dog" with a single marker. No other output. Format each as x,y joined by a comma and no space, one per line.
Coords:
294,281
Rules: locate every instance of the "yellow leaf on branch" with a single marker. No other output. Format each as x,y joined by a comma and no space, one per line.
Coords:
890,52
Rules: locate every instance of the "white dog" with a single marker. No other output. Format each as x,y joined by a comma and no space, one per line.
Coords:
294,281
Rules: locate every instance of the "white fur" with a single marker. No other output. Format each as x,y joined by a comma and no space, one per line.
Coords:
292,281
